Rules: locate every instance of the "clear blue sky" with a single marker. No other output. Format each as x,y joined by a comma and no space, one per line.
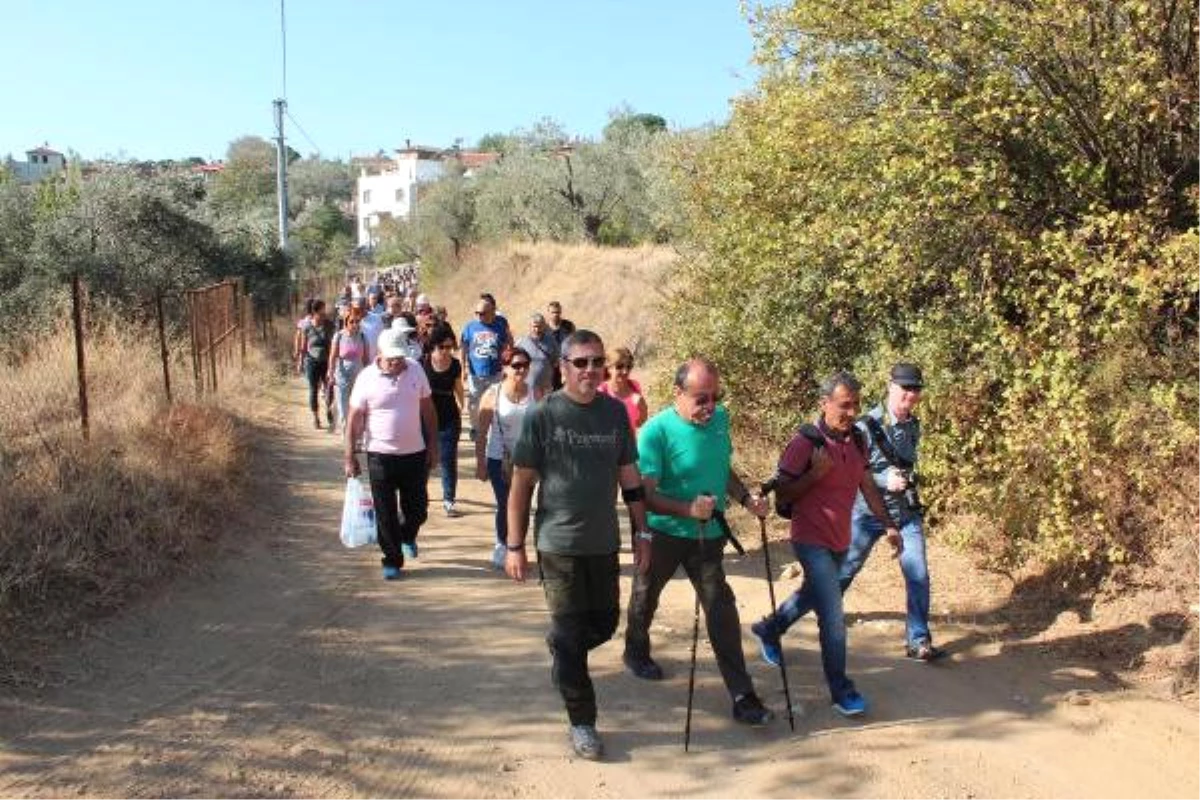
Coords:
152,79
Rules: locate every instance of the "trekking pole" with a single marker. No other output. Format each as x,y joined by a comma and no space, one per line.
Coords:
766,489
687,726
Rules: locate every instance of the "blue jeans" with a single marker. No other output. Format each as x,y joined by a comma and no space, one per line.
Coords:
866,530
495,472
345,372
821,592
448,454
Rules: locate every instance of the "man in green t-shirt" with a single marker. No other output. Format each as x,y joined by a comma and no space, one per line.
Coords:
576,446
684,455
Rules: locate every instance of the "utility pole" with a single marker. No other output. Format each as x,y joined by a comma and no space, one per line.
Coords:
281,161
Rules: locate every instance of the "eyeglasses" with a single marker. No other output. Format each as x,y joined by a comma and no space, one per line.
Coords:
519,364
705,399
583,362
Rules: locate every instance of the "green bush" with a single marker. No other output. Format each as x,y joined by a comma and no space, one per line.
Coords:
1005,194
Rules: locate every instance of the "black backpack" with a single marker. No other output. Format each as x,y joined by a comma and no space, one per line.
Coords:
814,435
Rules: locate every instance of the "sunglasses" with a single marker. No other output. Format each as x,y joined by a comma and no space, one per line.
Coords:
705,399
519,365
583,362
623,367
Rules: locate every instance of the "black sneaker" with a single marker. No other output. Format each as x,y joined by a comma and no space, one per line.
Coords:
644,668
749,710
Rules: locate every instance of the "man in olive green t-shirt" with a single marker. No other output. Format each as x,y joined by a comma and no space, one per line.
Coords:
576,446
684,456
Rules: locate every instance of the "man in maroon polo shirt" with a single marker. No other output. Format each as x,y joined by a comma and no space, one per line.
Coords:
820,479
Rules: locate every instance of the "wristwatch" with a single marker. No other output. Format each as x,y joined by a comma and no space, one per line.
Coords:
645,536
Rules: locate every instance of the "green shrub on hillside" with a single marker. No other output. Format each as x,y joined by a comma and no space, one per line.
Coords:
1006,194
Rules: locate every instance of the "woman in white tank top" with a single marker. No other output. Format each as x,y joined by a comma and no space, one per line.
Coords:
501,410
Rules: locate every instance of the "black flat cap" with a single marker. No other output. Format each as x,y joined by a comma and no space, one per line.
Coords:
907,375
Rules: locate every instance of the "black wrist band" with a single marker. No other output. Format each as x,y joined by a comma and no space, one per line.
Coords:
634,495
514,548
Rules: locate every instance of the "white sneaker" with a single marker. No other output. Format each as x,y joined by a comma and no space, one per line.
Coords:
451,511
499,552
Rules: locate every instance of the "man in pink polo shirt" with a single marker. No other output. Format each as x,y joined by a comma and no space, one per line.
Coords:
820,477
391,412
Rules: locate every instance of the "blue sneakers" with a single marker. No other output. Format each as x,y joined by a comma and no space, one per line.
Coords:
390,572
768,643
409,549
851,705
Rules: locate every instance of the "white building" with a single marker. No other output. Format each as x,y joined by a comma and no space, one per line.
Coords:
42,162
391,191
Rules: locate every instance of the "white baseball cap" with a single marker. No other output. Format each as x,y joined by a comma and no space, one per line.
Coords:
391,343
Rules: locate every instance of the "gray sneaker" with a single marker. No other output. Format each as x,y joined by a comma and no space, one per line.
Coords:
586,742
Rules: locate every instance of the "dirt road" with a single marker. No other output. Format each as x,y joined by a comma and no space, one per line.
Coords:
289,668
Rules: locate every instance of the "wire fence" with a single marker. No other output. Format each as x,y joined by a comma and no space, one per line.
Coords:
104,370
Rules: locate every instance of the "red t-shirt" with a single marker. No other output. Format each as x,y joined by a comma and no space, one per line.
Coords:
822,515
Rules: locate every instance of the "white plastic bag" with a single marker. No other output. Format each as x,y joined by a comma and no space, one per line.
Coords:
358,515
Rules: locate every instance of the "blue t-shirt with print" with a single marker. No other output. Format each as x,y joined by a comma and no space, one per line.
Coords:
482,343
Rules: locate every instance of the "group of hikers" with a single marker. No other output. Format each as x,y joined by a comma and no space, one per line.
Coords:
553,411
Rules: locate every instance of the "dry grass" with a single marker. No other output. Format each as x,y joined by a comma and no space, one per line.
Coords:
614,292
89,525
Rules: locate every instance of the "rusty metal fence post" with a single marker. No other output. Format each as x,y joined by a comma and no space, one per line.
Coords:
80,362
217,314
164,353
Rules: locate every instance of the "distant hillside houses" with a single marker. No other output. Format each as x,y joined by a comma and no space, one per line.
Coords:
386,188
43,162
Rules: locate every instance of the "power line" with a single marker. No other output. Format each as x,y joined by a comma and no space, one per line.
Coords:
303,132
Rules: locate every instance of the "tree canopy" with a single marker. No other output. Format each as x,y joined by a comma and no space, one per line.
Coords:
1004,192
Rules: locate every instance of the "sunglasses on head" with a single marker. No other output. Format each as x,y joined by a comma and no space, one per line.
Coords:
583,362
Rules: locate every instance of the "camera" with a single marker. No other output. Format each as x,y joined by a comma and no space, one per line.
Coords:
910,491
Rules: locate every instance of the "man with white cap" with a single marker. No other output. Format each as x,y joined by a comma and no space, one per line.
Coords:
392,414
406,326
